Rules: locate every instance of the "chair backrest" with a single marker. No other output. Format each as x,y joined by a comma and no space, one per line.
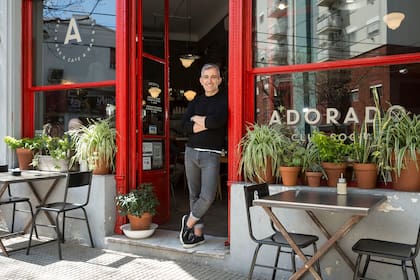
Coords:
417,248
252,192
79,180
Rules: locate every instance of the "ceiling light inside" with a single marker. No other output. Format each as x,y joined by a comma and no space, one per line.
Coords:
393,20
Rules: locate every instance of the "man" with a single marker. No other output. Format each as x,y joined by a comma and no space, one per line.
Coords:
205,122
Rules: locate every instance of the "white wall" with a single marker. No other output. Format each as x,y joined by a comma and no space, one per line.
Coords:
10,75
396,220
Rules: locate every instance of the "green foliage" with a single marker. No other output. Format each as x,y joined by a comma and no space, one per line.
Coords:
259,146
365,146
330,148
27,143
138,201
96,141
292,153
312,159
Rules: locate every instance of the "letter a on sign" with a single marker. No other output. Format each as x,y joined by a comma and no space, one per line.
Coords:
72,32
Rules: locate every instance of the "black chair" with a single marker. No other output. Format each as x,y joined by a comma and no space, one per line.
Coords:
14,200
276,239
398,254
75,180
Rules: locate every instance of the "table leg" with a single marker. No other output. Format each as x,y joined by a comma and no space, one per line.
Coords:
292,244
3,188
328,236
3,248
42,201
330,242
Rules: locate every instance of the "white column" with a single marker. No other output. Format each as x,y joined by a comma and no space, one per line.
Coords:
10,75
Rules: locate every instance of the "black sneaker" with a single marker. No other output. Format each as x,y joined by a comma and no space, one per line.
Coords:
185,232
193,241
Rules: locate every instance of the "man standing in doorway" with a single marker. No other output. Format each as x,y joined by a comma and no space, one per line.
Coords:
205,122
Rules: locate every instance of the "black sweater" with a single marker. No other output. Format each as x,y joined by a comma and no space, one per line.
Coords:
215,109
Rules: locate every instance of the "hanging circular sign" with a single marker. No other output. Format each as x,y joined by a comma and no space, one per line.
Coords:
74,41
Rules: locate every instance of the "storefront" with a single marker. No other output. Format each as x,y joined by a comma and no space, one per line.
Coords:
66,59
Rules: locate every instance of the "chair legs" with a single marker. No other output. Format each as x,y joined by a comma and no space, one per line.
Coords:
60,234
416,273
276,263
254,259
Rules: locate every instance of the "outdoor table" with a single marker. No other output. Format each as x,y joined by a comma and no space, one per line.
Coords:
357,204
29,177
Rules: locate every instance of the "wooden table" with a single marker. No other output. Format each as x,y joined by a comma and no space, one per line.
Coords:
357,204
30,177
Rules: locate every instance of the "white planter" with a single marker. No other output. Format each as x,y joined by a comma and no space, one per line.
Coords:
47,163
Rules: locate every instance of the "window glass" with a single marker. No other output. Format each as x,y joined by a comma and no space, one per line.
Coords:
74,41
288,32
58,108
326,100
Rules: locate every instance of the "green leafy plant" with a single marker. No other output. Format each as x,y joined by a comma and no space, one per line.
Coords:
312,159
137,202
27,143
365,148
259,148
95,142
58,148
401,136
292,153
330,148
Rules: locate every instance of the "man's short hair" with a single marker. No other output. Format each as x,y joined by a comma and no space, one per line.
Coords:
210,66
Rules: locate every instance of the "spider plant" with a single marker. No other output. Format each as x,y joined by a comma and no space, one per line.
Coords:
94,143
258,150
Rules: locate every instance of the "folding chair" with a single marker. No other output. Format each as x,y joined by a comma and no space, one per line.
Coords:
14,200
75,180
398,254
275,239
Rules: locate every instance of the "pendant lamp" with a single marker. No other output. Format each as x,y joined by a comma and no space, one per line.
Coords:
188,58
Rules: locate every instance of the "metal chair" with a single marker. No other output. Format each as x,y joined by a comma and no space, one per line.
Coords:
275,239
75,180
14,200
398,254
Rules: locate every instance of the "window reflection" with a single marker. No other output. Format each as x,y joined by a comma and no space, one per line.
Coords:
75,41
327,30
334,100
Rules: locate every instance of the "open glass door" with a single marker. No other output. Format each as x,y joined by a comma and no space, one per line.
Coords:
152,102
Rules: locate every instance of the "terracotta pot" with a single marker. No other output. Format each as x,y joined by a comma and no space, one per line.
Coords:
334,171
409,179
101,168
313,178
140,223
366,174
25,157
289,175
267,175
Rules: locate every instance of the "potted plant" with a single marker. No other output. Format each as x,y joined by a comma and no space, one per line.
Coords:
139,205
312,165
333,153
53,153
365,154
25,149
400,147
95,143
258,153
291,158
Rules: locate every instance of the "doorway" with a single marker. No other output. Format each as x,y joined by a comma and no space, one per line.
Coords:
191,28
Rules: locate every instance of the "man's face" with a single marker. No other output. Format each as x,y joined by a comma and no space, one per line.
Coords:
210,80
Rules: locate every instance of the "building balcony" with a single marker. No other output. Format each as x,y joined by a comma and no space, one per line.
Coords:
329,24
326,3
277,31
330,54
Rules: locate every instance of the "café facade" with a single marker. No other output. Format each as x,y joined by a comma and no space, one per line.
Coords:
312,64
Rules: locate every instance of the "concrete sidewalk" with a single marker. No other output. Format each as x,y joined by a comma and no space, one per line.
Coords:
81,262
